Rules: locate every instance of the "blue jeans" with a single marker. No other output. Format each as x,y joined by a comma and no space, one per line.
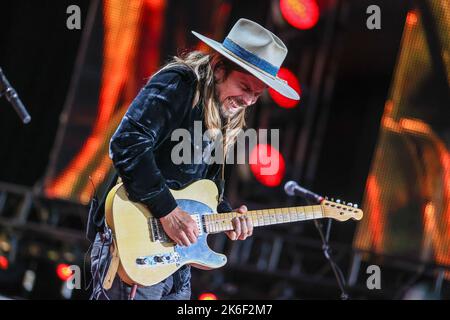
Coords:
175,287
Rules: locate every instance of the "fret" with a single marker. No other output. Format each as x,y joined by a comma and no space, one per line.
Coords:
213,223
294,215
285,212
253,218
222,220
266,217
289,214
260,218
309,213
318,212
228,224
280,215
256,218
276,218
272,216
216,223
225,224
229,217
269,216
300,213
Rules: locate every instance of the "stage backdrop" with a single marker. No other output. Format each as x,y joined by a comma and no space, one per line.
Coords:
407,210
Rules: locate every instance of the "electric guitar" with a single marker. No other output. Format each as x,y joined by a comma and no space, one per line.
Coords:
144,253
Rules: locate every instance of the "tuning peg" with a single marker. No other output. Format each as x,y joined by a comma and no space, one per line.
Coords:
332,199
355,206
326,198
350,204
343,202
338,201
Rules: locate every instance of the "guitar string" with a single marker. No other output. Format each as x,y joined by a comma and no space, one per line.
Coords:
207,225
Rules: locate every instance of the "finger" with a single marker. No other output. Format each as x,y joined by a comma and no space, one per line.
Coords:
184,240
249,227
190,226
244,229
237,226
195,230
242,209
231,234
192,237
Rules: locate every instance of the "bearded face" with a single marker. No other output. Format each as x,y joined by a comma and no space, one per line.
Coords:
237,91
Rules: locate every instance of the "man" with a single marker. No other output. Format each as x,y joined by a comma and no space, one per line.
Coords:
214,89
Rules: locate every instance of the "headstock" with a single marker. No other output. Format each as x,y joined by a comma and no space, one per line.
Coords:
340,211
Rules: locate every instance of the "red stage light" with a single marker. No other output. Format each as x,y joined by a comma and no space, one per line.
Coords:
207,296
267,164
301,14
292,80
63,271
4,263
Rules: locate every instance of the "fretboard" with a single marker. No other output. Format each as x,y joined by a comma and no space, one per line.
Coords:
219,222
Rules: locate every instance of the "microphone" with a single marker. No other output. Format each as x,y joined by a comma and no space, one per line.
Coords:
293,189
11,95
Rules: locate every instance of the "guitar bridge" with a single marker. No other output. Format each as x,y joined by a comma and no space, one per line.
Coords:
157,230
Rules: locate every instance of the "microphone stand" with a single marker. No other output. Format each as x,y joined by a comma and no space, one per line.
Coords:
327,253
11,95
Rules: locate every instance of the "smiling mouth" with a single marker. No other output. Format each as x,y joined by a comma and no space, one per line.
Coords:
233,105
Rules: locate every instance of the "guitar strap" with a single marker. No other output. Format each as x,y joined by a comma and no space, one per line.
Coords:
113,266
222,176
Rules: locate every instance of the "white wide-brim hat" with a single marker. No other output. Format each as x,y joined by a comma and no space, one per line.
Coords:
257,50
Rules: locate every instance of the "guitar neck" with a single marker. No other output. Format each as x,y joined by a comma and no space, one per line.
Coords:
219,222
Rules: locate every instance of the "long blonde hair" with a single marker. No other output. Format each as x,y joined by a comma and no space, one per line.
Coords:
204,66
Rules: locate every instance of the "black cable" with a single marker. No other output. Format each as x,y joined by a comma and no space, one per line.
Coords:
327,253
98,288
108,262
95,273
86,287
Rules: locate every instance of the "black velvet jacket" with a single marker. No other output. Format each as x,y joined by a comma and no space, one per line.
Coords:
141,147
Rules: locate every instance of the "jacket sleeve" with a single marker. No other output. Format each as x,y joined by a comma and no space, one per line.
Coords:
157,110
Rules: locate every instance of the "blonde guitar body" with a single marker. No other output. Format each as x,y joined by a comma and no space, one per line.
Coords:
148,257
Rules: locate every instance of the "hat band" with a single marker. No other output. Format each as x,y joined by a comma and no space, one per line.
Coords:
250,57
